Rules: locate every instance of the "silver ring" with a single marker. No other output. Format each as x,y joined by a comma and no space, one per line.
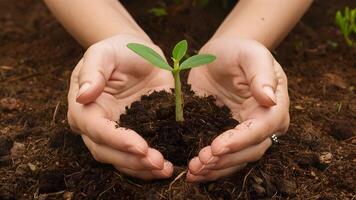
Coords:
274,138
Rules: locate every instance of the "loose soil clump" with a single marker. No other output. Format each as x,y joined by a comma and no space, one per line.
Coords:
154,118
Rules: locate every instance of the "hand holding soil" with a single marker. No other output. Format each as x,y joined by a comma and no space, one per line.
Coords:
108,78
246,78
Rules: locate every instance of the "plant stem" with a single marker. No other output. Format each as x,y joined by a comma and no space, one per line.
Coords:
348,40
178,93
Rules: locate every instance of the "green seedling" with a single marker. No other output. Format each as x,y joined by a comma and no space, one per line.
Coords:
178,53
158,12
346,23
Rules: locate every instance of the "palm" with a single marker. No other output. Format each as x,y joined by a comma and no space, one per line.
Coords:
109,78
246,78
131,77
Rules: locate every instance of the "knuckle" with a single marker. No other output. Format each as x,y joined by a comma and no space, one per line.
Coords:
71,122
258,155
94,133
95,153
93,48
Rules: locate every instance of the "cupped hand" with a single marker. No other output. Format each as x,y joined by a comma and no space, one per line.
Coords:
246,78
108,78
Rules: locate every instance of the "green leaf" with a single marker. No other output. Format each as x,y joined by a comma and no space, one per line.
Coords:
150,55
197,60
338,18
180,50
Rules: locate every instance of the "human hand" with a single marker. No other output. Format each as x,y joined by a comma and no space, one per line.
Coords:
246,78
108,78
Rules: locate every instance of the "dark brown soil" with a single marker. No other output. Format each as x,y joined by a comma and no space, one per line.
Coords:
154,118
42,159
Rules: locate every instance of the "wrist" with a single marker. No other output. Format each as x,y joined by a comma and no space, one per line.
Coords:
249,34
140,34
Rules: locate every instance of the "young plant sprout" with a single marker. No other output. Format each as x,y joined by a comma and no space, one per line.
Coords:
178,53
346,23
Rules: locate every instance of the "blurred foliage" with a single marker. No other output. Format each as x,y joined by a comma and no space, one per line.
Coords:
346,22
158,12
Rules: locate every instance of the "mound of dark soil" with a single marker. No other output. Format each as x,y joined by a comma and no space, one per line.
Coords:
154,118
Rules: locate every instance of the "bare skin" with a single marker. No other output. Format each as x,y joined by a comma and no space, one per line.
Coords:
256,92
107,79
245,77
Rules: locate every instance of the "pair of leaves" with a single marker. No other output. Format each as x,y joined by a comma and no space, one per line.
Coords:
178,53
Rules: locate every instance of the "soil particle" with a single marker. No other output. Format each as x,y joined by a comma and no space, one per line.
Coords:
259,190
17,150
154,118
23,134
56,137
286,187
325,158
342,130
5,160
307,159
51,181
8,104
6,194
22,169
268,184
5,145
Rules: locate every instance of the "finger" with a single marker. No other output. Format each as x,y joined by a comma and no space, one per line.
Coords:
212,175
98,65
250,154
250,132
104,154
166,172
197,164
258,65
105,131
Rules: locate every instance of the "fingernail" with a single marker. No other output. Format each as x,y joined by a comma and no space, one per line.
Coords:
168,164
83,89
136,150
153,164
223,151
268,90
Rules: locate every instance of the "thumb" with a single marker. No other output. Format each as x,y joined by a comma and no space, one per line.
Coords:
96,70
258,65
